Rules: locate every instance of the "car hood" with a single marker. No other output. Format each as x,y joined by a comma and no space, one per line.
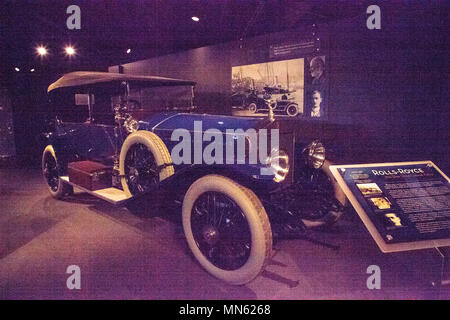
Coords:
171,121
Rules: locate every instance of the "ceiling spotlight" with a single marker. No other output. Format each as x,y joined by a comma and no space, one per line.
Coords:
41,50
196,19
32,70
70,51
128,51
17,69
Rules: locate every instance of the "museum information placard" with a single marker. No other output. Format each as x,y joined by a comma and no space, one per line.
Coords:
404,205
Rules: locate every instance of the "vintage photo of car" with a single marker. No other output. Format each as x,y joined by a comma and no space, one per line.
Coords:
281,82
119,149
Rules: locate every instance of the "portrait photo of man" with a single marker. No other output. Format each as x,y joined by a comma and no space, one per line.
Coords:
392,221
317,110
318,89
317,70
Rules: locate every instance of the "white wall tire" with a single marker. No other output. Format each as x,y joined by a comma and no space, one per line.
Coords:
157,148
256,219
57,188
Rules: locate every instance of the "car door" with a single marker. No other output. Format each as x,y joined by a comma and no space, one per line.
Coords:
74,138
101,132
72,126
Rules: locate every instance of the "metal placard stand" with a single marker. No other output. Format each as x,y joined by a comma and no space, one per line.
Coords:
440,280
364,184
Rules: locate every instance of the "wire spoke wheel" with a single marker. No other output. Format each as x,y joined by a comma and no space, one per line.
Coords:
144,162
50,172
227,229
221,230
140,169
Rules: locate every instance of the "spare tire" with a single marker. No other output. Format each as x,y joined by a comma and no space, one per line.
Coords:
144,162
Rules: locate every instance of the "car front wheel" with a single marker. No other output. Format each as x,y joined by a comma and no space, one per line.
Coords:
227,229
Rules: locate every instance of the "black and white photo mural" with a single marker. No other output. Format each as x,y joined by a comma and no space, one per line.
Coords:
280,84
316,104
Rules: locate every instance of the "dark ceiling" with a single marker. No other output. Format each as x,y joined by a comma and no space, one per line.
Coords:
149,28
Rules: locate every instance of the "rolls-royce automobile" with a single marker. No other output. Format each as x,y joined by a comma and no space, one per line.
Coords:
112,136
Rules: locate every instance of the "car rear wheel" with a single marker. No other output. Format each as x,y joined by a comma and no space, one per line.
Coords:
292,110
51,172
227,229
144,162
252,107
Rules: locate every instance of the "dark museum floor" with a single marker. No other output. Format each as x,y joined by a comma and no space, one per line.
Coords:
126,256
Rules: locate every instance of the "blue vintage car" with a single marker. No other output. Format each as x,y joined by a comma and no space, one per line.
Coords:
128,138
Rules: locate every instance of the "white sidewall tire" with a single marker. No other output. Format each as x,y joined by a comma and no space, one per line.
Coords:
156,147
259,225
63,188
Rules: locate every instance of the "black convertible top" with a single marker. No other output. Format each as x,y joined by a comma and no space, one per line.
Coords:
81,78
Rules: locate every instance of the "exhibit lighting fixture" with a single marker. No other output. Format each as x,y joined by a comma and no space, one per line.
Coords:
32,70
128,51
70,51
196,19
41,50
17,69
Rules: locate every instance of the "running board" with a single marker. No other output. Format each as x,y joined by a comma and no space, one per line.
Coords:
112,195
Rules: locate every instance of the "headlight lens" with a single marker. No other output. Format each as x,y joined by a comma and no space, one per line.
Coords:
279,162
315,154
131,125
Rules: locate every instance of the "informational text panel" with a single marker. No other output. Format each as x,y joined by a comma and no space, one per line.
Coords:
404,205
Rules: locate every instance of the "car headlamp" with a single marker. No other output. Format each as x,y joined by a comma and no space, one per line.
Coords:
279,163
131,125
314,154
